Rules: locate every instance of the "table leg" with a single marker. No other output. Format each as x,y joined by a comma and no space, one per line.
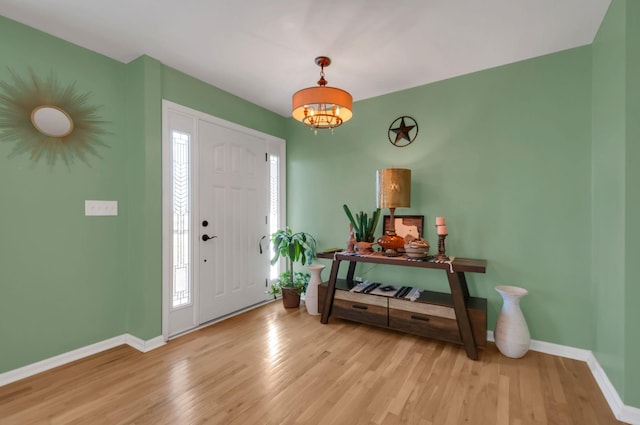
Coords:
457,286
351,272
463,284
331,290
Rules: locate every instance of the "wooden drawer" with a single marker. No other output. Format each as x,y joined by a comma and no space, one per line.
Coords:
424,325
437,321
443,311
361,308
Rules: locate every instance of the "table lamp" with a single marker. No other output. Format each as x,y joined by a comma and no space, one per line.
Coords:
393,189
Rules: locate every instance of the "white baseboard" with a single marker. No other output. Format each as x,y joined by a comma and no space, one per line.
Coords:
142,345
562,351
628,414
607,388
71,356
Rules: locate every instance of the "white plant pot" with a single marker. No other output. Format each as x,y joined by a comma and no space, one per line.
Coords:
512,334
311,296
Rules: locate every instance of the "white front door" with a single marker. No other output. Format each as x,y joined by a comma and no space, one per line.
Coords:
233,197
217,215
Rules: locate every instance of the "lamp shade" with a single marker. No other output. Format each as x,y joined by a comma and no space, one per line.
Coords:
393,188
322,107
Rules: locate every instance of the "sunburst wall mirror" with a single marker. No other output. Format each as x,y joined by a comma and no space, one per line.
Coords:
47,119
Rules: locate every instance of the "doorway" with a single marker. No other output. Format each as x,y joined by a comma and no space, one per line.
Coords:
219,187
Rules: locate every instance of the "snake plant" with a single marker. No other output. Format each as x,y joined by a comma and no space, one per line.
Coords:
364,226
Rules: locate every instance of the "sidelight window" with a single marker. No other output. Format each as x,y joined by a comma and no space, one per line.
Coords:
274,204
181,287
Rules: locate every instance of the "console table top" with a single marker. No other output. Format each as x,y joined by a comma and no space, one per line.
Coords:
457,265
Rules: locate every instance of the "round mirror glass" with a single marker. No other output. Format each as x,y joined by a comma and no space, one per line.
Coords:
52,121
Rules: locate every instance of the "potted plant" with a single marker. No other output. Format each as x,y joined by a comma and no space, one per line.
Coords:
290,291
293,247
364,227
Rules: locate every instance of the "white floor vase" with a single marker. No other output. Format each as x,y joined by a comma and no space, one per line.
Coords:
311,296
512,333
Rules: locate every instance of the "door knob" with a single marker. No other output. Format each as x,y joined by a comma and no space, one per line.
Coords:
207,237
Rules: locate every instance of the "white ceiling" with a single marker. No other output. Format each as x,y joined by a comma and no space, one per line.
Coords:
263,50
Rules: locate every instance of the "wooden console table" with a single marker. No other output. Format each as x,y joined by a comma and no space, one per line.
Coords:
458,299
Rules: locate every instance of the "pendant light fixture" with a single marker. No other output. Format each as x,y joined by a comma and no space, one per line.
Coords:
322,107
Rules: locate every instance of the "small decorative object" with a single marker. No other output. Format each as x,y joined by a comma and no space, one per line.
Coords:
405,225
393,188
311,296
403,131
364,247
351,242
416,248
442,231
47,119
294,247
512,334
363,226
441,249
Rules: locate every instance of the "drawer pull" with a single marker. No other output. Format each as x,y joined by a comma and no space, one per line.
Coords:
359,307
424,319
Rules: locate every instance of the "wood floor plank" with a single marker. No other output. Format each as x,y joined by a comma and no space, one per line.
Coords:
273,366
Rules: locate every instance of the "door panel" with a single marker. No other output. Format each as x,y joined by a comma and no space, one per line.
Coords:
233,197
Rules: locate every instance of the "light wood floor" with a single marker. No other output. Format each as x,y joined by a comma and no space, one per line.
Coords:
276,366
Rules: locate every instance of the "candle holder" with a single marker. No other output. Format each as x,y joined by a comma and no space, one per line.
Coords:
441,256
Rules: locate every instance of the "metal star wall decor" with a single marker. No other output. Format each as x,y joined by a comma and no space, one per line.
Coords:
27,104
403,131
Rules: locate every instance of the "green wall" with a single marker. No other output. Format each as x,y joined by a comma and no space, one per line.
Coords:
608,179
63,274
616,202
68,280
632,210
503,154
144,194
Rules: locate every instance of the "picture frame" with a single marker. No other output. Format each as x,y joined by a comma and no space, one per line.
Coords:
404,223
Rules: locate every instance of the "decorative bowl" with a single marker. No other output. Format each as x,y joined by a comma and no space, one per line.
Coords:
417,249
364,247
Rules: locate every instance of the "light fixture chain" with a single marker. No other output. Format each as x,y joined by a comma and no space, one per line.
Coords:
322,82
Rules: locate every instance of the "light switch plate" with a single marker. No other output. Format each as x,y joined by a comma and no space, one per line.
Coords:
96,208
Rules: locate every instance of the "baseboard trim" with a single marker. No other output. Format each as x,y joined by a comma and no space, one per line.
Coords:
630,415
71,356
142,345
622,412
562,351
